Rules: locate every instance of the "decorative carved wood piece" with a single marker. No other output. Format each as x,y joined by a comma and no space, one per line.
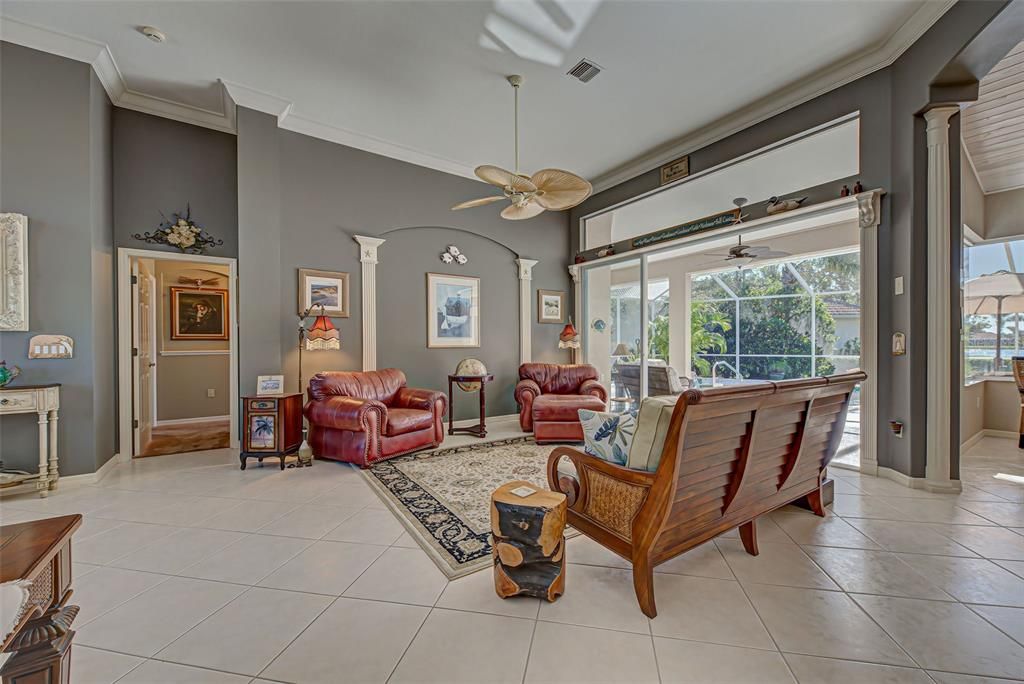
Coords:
529,546
13,272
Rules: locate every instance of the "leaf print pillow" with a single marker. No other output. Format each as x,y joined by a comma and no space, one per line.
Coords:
607,435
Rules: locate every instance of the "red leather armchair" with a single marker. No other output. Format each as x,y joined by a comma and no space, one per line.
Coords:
367,417
549,396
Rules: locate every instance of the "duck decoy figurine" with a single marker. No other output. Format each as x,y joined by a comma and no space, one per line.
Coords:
776,205
8,373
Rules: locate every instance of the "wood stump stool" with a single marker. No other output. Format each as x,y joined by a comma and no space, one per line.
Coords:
529,546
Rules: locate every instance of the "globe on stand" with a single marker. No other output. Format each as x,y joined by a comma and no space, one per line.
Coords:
470,367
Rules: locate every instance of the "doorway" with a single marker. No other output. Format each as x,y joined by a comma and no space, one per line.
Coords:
177,353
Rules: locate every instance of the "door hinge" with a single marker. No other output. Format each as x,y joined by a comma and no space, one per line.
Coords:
135,351
135,423
135,279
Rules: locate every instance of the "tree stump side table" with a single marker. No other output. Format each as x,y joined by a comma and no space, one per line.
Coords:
528,541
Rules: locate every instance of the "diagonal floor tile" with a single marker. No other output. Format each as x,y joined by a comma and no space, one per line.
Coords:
475,592
326,567
705,609
974,580
402,576
566,653
177,551
247,516
1008,514
829,531
119,541
812,670
874,572
907,537
309,522
946,636
488,645
93,666
990,542
106,588
617,608
823,623
156,672
363,639
951,678
150,621
247,634
703,561
1009,620
690,662
249,560
368,526
783,564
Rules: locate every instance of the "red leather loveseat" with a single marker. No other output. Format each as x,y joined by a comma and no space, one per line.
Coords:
550,395
365,417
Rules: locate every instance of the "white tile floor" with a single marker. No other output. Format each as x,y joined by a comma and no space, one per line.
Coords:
190,570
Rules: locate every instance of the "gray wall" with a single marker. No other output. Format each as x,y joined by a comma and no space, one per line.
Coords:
161,166
1004,214
55,168
327,194
893,158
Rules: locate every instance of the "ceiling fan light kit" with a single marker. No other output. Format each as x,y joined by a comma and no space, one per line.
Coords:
548,189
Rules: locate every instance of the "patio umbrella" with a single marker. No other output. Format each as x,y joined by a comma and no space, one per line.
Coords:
996,293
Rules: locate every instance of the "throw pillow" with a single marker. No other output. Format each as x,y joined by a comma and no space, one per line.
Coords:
607,435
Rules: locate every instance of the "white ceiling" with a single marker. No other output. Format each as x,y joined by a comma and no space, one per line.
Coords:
423,81
993,127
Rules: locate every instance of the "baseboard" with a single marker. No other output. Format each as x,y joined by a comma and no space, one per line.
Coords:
90,478
105,469
492,421
948,486
1005,434
182,421
972,440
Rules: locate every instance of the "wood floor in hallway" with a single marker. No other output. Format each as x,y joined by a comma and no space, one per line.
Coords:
183,437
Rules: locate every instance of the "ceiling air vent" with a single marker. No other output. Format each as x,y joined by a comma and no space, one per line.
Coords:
584,71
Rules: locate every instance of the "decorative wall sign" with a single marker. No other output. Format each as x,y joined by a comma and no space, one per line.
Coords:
675,169
199,314
13,272
328,289
453,311
722,220
453,255
550,306
182,232
269,384
51,347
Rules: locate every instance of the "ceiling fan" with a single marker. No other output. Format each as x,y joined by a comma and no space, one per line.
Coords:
200,282
746,254
552,189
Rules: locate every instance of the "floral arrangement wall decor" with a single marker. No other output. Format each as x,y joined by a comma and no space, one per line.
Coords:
453,255
182,232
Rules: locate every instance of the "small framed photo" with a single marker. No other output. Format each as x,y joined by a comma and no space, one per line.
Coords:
269,384
328,289
453,311
199,313
550,306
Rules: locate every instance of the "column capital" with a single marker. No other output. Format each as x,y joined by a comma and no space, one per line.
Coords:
368,248
938,123
526,268
868,208
574,272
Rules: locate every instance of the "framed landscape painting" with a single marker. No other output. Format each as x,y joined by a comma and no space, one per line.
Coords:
199,313
550,306
453,311
323,288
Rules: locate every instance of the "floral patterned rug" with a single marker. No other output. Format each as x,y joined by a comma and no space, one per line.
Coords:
444,496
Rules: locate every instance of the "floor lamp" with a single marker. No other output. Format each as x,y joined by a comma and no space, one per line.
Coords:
321,336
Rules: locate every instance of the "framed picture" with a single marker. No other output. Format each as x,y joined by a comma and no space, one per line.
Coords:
453,311
550,306
324,288
269,384
199,314
262,432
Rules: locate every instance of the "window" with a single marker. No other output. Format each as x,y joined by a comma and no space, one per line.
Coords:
993,307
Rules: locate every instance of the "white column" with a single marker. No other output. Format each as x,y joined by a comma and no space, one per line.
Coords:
679,342
939,348
868,204
368,257
41,483
525,318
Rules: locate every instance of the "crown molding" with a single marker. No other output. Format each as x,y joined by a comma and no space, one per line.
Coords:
866,62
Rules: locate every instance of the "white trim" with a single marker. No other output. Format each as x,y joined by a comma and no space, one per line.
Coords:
183,421
525,273
368,258
972,440
866,62
939,380
195,352
98,54
124,342
869,217
1002,434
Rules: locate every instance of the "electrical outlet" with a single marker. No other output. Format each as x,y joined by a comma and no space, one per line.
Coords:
211,393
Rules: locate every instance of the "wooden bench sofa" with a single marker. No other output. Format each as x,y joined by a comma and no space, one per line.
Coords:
729,455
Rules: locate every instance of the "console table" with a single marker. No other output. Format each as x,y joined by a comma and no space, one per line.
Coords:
480,429
43,400
39,553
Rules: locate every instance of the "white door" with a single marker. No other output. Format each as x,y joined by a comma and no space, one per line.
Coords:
143,355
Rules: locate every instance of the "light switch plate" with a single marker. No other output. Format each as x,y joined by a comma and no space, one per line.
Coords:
898,289
211,393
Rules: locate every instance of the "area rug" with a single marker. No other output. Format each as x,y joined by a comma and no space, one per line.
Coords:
443,497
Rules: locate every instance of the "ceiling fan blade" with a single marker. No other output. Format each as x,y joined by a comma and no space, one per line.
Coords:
478,202
515,212
756,249
495,175
560,189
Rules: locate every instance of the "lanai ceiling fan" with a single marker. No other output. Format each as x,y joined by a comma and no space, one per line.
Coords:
744,255
551,189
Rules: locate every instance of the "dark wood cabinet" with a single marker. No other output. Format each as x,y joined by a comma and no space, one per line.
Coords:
271,427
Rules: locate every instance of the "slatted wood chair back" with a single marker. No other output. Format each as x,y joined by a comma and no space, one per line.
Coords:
737,452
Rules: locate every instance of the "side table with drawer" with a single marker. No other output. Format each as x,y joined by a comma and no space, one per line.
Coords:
272,426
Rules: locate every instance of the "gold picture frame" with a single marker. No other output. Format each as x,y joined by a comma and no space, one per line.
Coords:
199,313
327,288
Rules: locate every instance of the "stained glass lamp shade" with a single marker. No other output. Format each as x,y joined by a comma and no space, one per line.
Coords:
322,335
